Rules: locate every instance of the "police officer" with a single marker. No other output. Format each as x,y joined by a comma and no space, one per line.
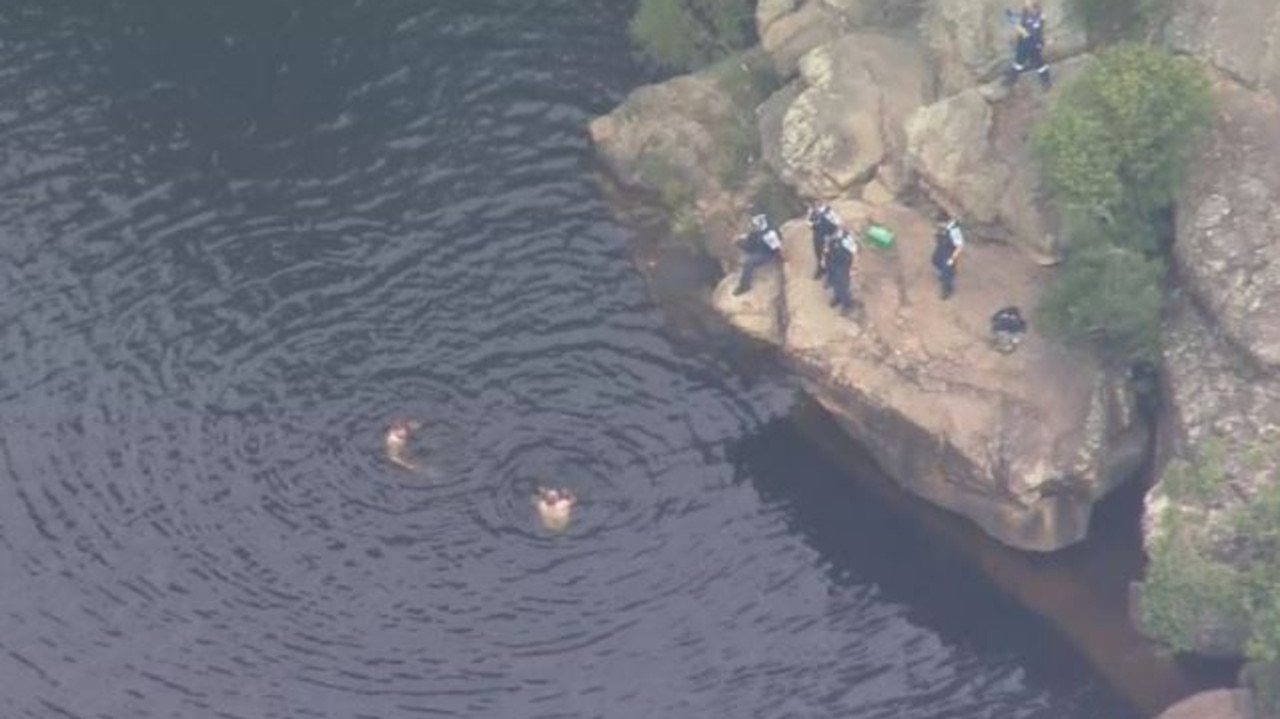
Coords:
839,263
759,247
948,244
1028,52
825,224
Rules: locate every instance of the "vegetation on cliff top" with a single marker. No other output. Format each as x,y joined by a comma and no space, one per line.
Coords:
1115,150
711,36
1223,576
690,34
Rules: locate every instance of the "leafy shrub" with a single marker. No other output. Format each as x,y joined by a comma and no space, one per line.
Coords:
1119,142
689,34
1184,591
1108,296
1115,149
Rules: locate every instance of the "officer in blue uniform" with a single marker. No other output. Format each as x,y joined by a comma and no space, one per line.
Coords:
825,224
759,247
1028,53
839,263
948,244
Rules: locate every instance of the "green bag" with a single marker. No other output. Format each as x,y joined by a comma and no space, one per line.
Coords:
880,236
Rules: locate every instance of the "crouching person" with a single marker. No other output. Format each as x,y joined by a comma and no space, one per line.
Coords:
759,247
1007,329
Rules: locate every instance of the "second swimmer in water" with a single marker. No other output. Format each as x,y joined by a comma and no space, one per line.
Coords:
555,507
397,442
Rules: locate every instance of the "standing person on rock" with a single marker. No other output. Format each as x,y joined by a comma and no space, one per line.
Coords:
759,247
839,263
1028,53
825,224
948,243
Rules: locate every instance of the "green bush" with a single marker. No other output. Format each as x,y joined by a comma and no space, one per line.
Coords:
1115,149
1107,296
689,34
1184,591
1119,142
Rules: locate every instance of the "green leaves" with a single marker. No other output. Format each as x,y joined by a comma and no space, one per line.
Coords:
1115,149
689,34
1109,296
1122,137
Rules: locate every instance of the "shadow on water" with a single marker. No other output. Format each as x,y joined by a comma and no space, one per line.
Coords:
1064,615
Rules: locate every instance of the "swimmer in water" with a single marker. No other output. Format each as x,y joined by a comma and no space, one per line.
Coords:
554,508
397,440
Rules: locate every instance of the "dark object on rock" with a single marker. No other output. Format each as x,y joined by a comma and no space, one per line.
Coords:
1007,329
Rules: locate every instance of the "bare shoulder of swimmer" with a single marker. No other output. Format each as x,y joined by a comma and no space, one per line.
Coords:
397,440
554,508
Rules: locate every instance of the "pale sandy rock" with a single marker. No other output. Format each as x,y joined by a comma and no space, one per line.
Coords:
757,313
1215,704
808,24
1228,245
876,194
972,156
1240,37
843,117
972,41
913,378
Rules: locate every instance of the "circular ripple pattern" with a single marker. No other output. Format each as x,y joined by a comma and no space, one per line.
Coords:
238,240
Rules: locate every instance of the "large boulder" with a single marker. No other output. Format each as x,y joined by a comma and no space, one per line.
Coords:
1228,245
913,378
668,139
1239,37
970,154
836,124
1215,704
972,40
789,29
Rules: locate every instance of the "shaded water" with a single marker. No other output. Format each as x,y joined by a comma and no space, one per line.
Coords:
237,239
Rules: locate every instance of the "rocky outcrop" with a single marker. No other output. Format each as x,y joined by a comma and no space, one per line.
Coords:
790,28
1230,225
971,155
668,139
1216,704
842,119
1239,37
912,377
972,40
1222,345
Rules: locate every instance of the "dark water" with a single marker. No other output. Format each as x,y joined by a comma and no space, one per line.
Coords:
238,238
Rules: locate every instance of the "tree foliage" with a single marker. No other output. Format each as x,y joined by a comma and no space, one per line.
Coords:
1121,139
1115,149
689,34
1186,591
1108,296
